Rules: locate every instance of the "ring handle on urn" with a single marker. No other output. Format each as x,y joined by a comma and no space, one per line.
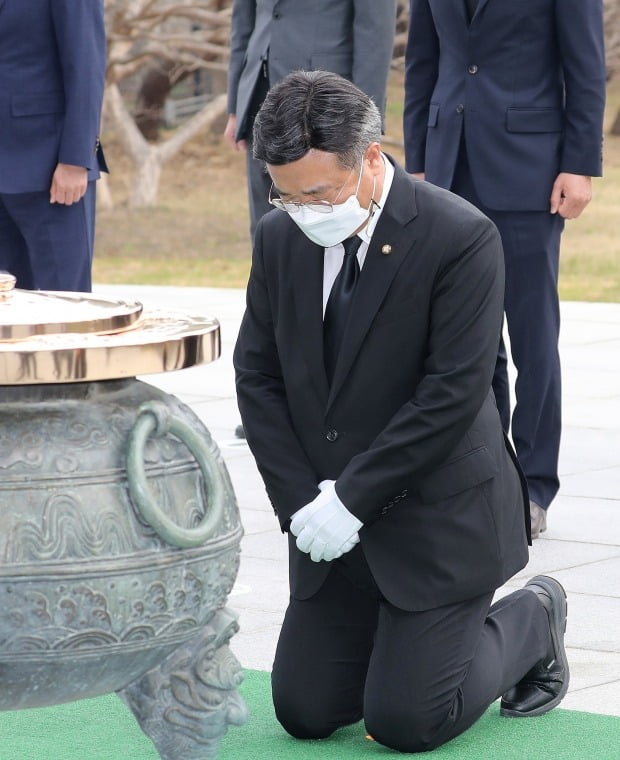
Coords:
155,419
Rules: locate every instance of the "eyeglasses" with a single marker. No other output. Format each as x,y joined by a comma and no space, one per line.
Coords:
292,207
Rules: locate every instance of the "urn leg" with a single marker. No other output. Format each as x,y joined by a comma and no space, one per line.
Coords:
186,704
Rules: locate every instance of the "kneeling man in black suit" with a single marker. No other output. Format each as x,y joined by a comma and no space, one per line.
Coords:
364,365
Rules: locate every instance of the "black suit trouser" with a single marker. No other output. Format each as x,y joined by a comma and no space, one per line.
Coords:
417,678
258,180
531,243
259,184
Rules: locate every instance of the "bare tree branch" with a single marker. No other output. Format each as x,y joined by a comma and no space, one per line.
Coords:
175,37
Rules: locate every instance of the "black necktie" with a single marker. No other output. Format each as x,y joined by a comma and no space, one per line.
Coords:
471,8
338,303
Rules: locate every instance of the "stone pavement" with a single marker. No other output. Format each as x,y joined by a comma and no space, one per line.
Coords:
581,547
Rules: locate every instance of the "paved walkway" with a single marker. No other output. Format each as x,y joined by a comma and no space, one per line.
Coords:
581,547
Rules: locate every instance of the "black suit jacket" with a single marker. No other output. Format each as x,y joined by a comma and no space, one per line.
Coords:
409,427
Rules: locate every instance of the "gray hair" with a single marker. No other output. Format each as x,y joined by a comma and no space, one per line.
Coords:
315,109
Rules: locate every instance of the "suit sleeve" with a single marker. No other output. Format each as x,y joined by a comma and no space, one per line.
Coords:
581,40
463,338
374,27
290,479
80,36
421,67
241,28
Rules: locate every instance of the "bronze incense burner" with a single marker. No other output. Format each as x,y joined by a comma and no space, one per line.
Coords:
119,528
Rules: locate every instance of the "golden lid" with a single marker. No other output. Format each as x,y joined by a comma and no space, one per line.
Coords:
60,337
24,313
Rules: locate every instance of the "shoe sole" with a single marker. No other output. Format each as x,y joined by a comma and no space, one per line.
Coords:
559,610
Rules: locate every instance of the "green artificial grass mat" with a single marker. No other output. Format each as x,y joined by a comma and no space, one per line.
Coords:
104,729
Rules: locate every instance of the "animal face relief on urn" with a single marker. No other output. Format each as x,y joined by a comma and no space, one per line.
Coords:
119,528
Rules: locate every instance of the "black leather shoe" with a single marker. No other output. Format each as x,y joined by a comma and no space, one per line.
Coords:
546,684
538,517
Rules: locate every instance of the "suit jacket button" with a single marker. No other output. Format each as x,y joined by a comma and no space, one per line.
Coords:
473,69
332,435
460,108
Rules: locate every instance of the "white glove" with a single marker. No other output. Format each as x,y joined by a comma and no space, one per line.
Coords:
325,528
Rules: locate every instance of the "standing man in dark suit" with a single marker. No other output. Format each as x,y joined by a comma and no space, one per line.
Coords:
271,38
504,105
52,72
364,365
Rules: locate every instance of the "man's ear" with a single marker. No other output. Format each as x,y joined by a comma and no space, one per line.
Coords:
373,156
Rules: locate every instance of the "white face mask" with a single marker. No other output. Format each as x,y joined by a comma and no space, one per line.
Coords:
332,228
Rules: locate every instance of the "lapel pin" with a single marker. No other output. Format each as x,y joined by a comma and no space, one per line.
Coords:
386,249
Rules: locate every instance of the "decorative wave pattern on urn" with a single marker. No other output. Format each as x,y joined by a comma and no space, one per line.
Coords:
84,616
26,451
30,450
68,530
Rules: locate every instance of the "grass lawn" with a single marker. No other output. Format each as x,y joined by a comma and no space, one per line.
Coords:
198,235
590,253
